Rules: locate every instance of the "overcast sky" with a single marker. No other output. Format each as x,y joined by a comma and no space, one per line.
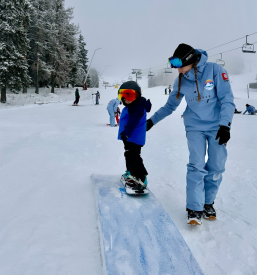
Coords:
144,33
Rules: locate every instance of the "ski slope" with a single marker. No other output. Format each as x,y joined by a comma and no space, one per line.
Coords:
48,216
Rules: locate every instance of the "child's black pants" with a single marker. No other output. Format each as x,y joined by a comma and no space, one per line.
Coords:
134,161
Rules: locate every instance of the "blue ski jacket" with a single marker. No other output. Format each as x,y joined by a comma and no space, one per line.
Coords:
250,109
133,121
113,105
217,101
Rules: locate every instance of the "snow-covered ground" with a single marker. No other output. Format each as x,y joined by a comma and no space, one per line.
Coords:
48,152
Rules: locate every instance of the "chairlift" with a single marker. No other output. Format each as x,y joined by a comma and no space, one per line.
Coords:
130,77
139,77
167,70
220,61
248,47
150,74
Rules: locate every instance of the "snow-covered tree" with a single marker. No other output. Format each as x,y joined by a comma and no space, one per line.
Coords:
89,82
62,45
39,33
94,78
14,44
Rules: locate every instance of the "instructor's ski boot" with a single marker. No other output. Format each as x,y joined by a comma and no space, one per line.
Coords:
209,212
194,217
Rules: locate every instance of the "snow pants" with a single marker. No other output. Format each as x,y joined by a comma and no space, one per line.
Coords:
96,100
76,100
134,162
112,117
204,178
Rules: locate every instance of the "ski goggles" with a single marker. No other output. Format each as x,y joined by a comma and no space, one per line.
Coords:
175,62
128,94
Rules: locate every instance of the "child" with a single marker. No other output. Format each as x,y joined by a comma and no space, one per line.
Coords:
77,97
207,118
250,109
132,132
112,108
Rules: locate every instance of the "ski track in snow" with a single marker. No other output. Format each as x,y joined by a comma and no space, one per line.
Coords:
48,153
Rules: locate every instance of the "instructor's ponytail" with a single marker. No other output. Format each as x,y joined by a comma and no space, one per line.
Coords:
179,85
196,81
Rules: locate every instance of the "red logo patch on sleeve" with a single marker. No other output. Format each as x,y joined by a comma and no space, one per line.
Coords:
225,76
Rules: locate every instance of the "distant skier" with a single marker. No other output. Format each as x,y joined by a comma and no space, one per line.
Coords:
207,118
112,110
97,97
166,91
77,97
169,89
250,109
132,132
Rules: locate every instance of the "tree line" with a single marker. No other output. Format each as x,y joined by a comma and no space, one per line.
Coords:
40,46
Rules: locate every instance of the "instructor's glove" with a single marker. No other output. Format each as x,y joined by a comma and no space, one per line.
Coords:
123,136
149,124
223,134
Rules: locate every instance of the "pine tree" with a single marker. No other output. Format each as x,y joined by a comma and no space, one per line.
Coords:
62,44
89,82
39,33
94,78
14,19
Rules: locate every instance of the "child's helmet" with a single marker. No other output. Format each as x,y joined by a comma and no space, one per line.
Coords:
130,85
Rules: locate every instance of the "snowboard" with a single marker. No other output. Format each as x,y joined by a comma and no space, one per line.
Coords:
130,191
110,124
238,112
137,236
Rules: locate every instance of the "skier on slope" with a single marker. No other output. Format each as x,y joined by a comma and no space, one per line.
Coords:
112,110
250,109
77,97
207,118
97,97
132,132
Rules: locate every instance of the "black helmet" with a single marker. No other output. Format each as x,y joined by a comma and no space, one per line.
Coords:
131,85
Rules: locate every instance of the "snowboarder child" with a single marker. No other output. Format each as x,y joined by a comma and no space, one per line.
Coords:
77,97
207,118
132,132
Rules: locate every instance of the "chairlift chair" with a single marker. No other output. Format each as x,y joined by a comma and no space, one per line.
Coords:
150,74
248,47
220,61
167,70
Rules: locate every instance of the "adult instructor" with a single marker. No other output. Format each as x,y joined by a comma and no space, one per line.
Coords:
207,118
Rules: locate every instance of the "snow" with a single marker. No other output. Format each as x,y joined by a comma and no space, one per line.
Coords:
48,153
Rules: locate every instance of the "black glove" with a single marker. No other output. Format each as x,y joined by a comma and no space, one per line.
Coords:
123,136
149,124
223,134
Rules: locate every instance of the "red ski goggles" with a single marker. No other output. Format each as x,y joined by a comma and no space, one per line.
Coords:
128,94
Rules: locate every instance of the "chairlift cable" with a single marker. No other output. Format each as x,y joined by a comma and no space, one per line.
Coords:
231,41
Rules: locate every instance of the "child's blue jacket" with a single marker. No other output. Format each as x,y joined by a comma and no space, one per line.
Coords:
217,101
133,121
250,109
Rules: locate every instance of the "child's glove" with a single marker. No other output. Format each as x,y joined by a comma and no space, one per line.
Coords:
123,136
223,134
149,124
